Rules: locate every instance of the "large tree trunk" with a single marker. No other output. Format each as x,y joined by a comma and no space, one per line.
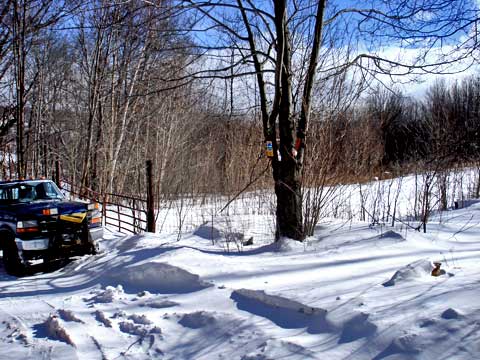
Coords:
289,201
285,172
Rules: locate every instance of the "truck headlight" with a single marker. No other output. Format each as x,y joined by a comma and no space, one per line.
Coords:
93,206
27,226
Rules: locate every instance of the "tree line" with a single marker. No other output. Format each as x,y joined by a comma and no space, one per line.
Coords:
391,132
200,87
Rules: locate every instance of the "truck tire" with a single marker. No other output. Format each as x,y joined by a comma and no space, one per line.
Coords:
88,245
47,258
11,259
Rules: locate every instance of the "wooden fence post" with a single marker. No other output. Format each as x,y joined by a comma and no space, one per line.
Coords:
150,199
104,209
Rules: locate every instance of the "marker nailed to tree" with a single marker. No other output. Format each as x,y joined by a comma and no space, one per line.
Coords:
269,149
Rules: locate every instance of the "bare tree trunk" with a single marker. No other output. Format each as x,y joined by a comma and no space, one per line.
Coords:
94,88
286,173
19,55
125,116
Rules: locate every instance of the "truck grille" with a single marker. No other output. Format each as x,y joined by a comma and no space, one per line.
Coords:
48,225
62,232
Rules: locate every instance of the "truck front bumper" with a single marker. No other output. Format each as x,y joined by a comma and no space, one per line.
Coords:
43,243
35,244
96,233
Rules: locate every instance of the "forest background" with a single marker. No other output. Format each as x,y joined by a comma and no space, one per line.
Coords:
101,87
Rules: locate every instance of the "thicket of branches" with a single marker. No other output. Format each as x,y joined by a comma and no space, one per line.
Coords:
103,86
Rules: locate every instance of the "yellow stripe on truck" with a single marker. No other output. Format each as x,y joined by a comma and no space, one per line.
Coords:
75,218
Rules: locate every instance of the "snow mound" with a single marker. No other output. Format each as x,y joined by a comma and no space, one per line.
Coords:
284,312
415,270
161,304
68,315
138,325
140,319
390,234
288,245
208,231
450,314
158,278
155,330
197,319
406,347
56,331
132,328
101,318
356,328
109,295
144,293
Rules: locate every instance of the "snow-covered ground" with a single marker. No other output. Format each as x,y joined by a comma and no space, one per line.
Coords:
351,292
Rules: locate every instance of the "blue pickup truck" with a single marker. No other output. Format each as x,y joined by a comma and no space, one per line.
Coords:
37,222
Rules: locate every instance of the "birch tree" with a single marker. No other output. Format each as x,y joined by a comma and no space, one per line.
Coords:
26,18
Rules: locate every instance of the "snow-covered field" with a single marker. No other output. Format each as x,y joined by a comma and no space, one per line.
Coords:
351,292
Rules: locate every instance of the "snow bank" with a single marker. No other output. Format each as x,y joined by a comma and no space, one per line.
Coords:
288,245
284,312
405,347
161,304
208,231
158,278
131,302
197,319
357,327
415,270
392,235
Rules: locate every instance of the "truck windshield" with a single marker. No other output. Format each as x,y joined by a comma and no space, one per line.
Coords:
28,191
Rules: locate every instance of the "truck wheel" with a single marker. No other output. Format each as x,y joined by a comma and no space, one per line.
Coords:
11,260
89,248
47,258
88,245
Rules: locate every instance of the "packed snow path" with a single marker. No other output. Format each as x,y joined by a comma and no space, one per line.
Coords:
352,292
